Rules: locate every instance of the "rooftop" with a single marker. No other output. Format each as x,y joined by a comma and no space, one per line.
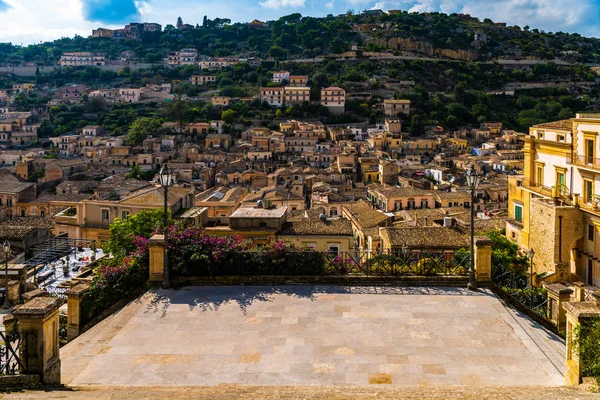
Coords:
563,125
431,237
310,226
257,212
363,214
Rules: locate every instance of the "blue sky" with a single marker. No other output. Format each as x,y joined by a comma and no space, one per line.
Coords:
29,21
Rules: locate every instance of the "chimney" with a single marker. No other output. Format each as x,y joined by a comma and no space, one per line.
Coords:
448,222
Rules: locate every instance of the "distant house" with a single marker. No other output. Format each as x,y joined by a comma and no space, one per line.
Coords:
372,13
197,80
221,101
298,80
334,98
82,59
393,107
280,76
92,130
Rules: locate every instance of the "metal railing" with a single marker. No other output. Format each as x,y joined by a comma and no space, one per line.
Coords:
298,263
12,348
584,160
516,286
57,291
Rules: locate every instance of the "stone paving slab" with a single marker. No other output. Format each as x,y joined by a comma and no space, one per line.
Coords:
379,392
312,336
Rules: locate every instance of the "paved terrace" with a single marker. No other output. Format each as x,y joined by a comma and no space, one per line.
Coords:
315,336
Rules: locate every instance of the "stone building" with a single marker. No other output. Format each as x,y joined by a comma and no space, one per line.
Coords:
554,207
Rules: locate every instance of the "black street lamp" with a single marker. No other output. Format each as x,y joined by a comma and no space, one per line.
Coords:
166,179
531,255
6,249
473,182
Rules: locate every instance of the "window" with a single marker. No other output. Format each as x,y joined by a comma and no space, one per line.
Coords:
591,232
262,224
105,215
22,213
9,202
589,151
519,212
560,182
560,138
42,213
124,214
588,191
333,248
590,272
539,175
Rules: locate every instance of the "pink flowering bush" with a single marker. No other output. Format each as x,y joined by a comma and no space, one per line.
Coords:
115,279
192,252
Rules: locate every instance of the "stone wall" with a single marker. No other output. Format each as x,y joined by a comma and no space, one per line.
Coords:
545,240
419,46
446,281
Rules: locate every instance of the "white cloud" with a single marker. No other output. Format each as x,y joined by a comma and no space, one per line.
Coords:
329,5
277,4
581,16
33,21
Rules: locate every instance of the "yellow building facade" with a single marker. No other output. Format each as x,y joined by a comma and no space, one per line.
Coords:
554,207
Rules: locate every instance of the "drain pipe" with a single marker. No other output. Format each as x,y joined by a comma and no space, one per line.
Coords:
560,239
571,170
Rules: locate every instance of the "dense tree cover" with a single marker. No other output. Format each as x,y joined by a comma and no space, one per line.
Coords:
141,128
450,94
295,35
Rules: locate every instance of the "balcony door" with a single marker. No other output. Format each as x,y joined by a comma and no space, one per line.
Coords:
589,151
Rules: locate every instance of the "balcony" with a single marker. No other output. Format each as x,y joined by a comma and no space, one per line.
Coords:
584,161
67,217
534,187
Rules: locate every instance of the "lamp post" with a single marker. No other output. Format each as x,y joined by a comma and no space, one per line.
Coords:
6,249
531,255
473,182
166,179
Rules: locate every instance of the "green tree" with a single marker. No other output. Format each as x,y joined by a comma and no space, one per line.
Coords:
228,116
134,173
123,232
338,45
141,128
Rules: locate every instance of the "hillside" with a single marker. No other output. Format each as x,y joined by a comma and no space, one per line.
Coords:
440,35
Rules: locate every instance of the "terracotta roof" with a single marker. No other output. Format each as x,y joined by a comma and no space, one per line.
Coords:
364,215
316,227
397,191
425,237
68,197
460,194
256,212
563,125
14,187
154,197
19,229
221,194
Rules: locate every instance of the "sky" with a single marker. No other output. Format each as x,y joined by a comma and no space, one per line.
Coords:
32,21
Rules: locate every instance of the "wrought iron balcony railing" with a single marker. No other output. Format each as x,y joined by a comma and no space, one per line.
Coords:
584,161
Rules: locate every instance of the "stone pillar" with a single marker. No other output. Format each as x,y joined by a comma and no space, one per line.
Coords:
38,323
14,292
558,294
156,245
579,291
577,313
483,259
74,296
